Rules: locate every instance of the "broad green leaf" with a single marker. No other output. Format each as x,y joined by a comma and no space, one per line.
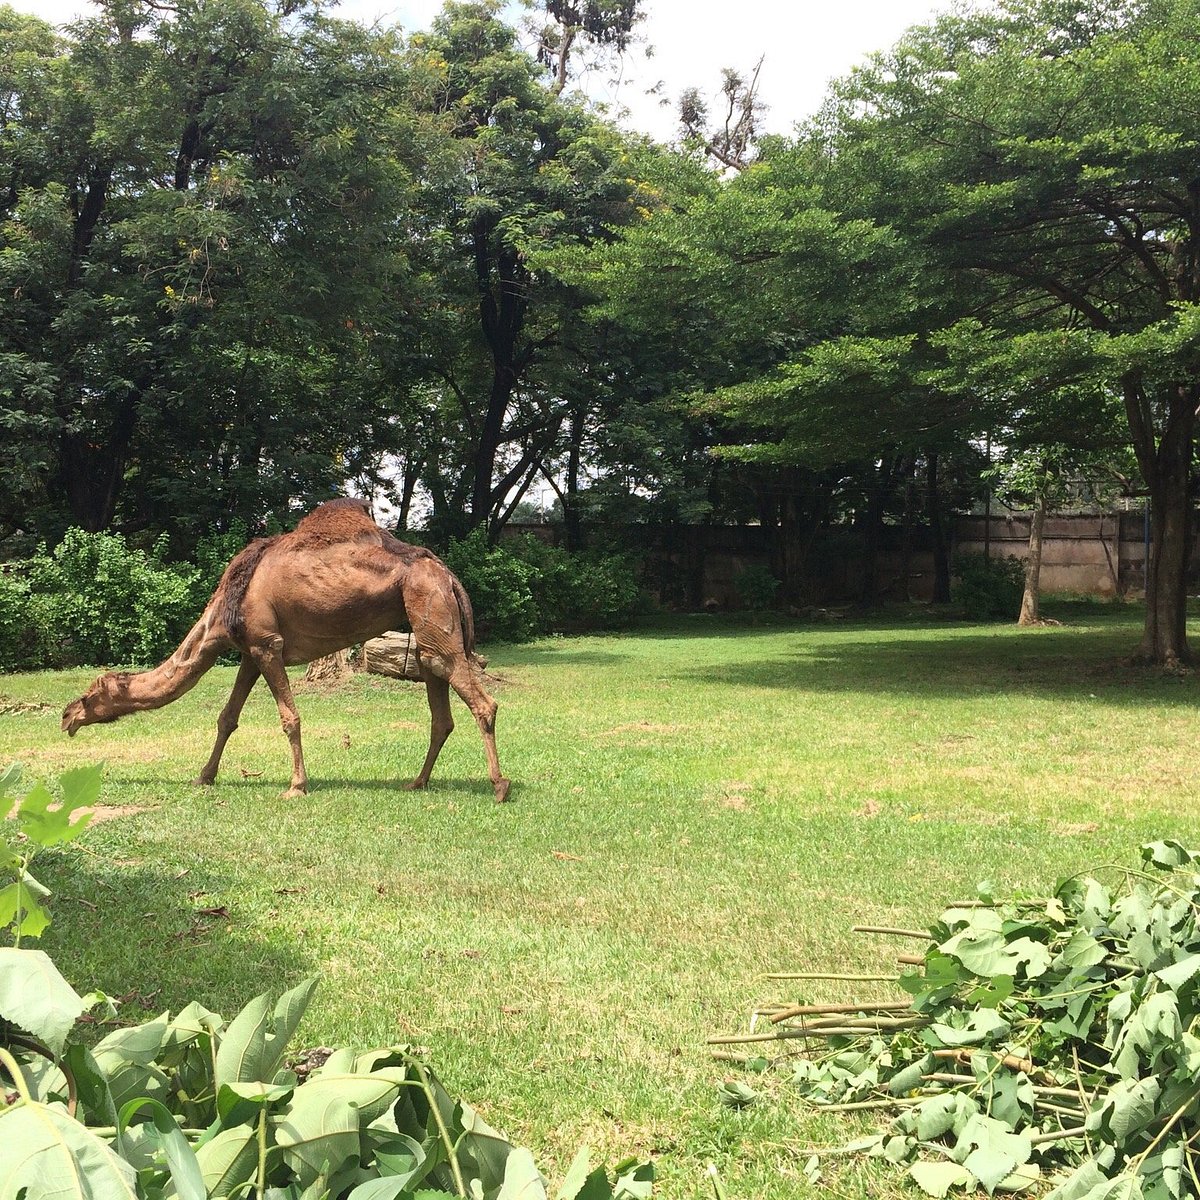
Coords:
1174,976
36,998
1025,1176
48,824
138,1044
634,1182
1166,855
180,1157
92,1086
372,1095
990,1151
584,1183
968,1028
317,1132
242,1054
227,1160
937,1178
238,1103
522,1179
47,1155
289,1010
9,778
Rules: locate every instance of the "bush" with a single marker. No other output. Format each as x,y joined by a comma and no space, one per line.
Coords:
94,600
756,587
577,592
989,589
500,586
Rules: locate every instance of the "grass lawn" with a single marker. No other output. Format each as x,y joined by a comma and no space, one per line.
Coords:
694,805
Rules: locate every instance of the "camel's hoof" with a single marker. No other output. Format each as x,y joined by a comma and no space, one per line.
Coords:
502,790
200,781
417,785
294,793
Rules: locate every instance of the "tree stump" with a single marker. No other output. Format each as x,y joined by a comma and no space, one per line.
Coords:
393,654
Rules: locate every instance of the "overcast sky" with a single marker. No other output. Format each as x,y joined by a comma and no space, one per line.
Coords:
805,43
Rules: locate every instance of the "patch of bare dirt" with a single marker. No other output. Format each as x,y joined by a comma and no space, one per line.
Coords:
25,708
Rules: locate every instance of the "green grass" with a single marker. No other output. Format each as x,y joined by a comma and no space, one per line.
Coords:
693,806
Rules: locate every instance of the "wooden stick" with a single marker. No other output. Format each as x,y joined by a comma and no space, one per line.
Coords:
911,960
806,1010
923,934
829,975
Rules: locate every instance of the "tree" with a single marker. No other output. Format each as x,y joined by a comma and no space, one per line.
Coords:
1044,147
524,172
202,220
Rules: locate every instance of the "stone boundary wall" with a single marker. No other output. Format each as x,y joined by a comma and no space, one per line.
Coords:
1100,555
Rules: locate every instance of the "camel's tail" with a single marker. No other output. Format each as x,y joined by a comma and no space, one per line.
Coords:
466,614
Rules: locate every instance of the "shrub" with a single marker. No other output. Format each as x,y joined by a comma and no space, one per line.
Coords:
576,592
756,587
95,600
500,586
18,632
989,589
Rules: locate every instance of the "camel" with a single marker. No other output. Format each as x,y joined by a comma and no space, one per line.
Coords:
335,580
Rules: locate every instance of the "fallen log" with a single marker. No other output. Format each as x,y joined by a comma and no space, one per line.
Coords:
393,654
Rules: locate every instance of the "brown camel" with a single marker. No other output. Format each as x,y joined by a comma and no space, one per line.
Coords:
336,579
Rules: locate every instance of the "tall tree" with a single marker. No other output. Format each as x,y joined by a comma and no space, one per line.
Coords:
527,172
1046,147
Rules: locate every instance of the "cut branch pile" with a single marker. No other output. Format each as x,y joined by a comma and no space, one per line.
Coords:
1054,1037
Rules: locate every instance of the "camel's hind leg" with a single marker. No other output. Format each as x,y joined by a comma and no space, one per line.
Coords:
227,722
460,674
269,660
441,723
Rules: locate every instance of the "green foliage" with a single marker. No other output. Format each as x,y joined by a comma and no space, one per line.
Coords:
190,1106
988,589
1044,1034
97,600
756,587
500,586
525,587
37,820
578,592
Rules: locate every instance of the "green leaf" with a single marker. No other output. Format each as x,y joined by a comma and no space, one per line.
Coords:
289,1010
1174,976
52,826
229,1159
584,1183
318,1131
522,1179
9,778
180,1157
937,1178
242,1054
36,998
990,1151
47,1155
1166,855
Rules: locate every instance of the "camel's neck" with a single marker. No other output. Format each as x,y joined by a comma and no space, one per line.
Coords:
180,673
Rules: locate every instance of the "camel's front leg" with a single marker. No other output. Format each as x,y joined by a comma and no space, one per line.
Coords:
441,723
269,660
227,722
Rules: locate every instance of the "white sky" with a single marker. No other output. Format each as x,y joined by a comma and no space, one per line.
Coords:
805,42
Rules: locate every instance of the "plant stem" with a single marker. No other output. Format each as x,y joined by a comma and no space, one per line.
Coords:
923,934
18,1078
443,1132
262,1151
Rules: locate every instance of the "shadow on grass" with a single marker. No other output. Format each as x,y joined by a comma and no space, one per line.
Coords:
156,939
1052,664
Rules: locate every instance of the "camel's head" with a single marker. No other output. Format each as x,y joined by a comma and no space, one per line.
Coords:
96,705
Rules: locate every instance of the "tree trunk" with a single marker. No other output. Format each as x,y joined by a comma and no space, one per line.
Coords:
941,548
1166,468
1033,566
572,522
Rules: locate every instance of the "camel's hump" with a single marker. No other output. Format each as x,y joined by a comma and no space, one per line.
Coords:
344,519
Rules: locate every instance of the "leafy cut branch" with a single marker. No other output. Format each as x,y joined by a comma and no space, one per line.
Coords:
1042,1036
